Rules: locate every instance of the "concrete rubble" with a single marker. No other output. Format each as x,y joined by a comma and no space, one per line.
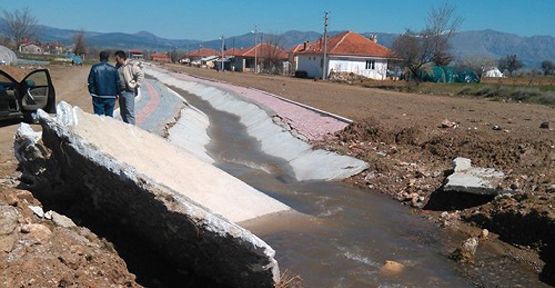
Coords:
475,180
184,207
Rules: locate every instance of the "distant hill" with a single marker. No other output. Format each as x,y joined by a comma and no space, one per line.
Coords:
140,40
531,50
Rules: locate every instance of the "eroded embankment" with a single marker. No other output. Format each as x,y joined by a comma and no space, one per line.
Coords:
92,161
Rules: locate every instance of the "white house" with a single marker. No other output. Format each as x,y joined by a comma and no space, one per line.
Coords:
30,49
348,52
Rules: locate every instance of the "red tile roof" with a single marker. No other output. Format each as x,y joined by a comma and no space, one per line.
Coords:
234,52
265,50
202,52
347,44
160,57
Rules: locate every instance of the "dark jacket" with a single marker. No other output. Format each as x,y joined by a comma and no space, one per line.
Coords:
104,80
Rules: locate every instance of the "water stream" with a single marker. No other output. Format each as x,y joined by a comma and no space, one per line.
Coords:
351,232
344,234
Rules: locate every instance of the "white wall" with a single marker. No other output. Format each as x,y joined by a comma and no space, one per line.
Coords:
358,66
311,64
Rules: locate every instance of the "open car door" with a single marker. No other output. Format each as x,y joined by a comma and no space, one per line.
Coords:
8,95
37,92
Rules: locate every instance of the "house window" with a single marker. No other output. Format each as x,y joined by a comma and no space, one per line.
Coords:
370,64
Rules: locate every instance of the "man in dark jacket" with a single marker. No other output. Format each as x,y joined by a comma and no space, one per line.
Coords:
104,86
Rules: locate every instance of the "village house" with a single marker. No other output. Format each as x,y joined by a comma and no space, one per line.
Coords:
270,58
201,57
160,57
30,49
136,54
348,52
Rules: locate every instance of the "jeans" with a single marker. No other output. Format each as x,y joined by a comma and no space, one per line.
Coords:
127,106
103,106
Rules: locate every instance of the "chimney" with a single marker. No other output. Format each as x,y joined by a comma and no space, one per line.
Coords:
304,45
374,38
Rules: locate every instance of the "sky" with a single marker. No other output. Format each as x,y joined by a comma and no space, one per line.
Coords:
208,19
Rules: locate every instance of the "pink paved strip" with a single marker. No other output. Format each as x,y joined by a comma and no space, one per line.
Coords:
153,101
311,124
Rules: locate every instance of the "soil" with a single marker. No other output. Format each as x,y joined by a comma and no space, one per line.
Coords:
36,251
401,137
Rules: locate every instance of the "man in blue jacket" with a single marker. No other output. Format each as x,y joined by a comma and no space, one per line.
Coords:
104,86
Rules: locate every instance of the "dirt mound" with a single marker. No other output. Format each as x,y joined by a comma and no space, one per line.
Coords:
370,129
37,252
411,163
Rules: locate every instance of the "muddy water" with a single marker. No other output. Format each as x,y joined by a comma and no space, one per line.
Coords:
344,235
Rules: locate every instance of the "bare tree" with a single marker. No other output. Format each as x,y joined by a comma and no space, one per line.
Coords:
431,45
79,43
174,55
271,56
20,25
548,67
441,24
510,63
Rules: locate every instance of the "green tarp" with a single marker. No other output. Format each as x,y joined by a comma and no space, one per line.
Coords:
446,74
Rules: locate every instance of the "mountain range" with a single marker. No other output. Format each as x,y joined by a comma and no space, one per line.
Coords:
484,43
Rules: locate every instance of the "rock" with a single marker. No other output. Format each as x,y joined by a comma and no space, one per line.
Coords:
545,125
465,178
25,195
391,268
7,242
12,200
497,128
484,235
8,219
448,124
466,252
37,210
37,233
61,220
461,164
48,215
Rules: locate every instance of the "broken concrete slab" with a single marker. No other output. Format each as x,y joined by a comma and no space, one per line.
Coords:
176,202
475,180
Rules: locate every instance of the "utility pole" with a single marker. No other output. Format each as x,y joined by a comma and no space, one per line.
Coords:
255,49
325,57
223,53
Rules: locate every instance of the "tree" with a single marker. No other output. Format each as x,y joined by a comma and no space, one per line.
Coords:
79,43
548,67
174,55
431,45
510,63
20,25
271,56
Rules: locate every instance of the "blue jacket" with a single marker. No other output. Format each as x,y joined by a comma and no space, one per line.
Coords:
104,80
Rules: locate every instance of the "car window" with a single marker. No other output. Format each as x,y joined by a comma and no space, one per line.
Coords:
37,79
